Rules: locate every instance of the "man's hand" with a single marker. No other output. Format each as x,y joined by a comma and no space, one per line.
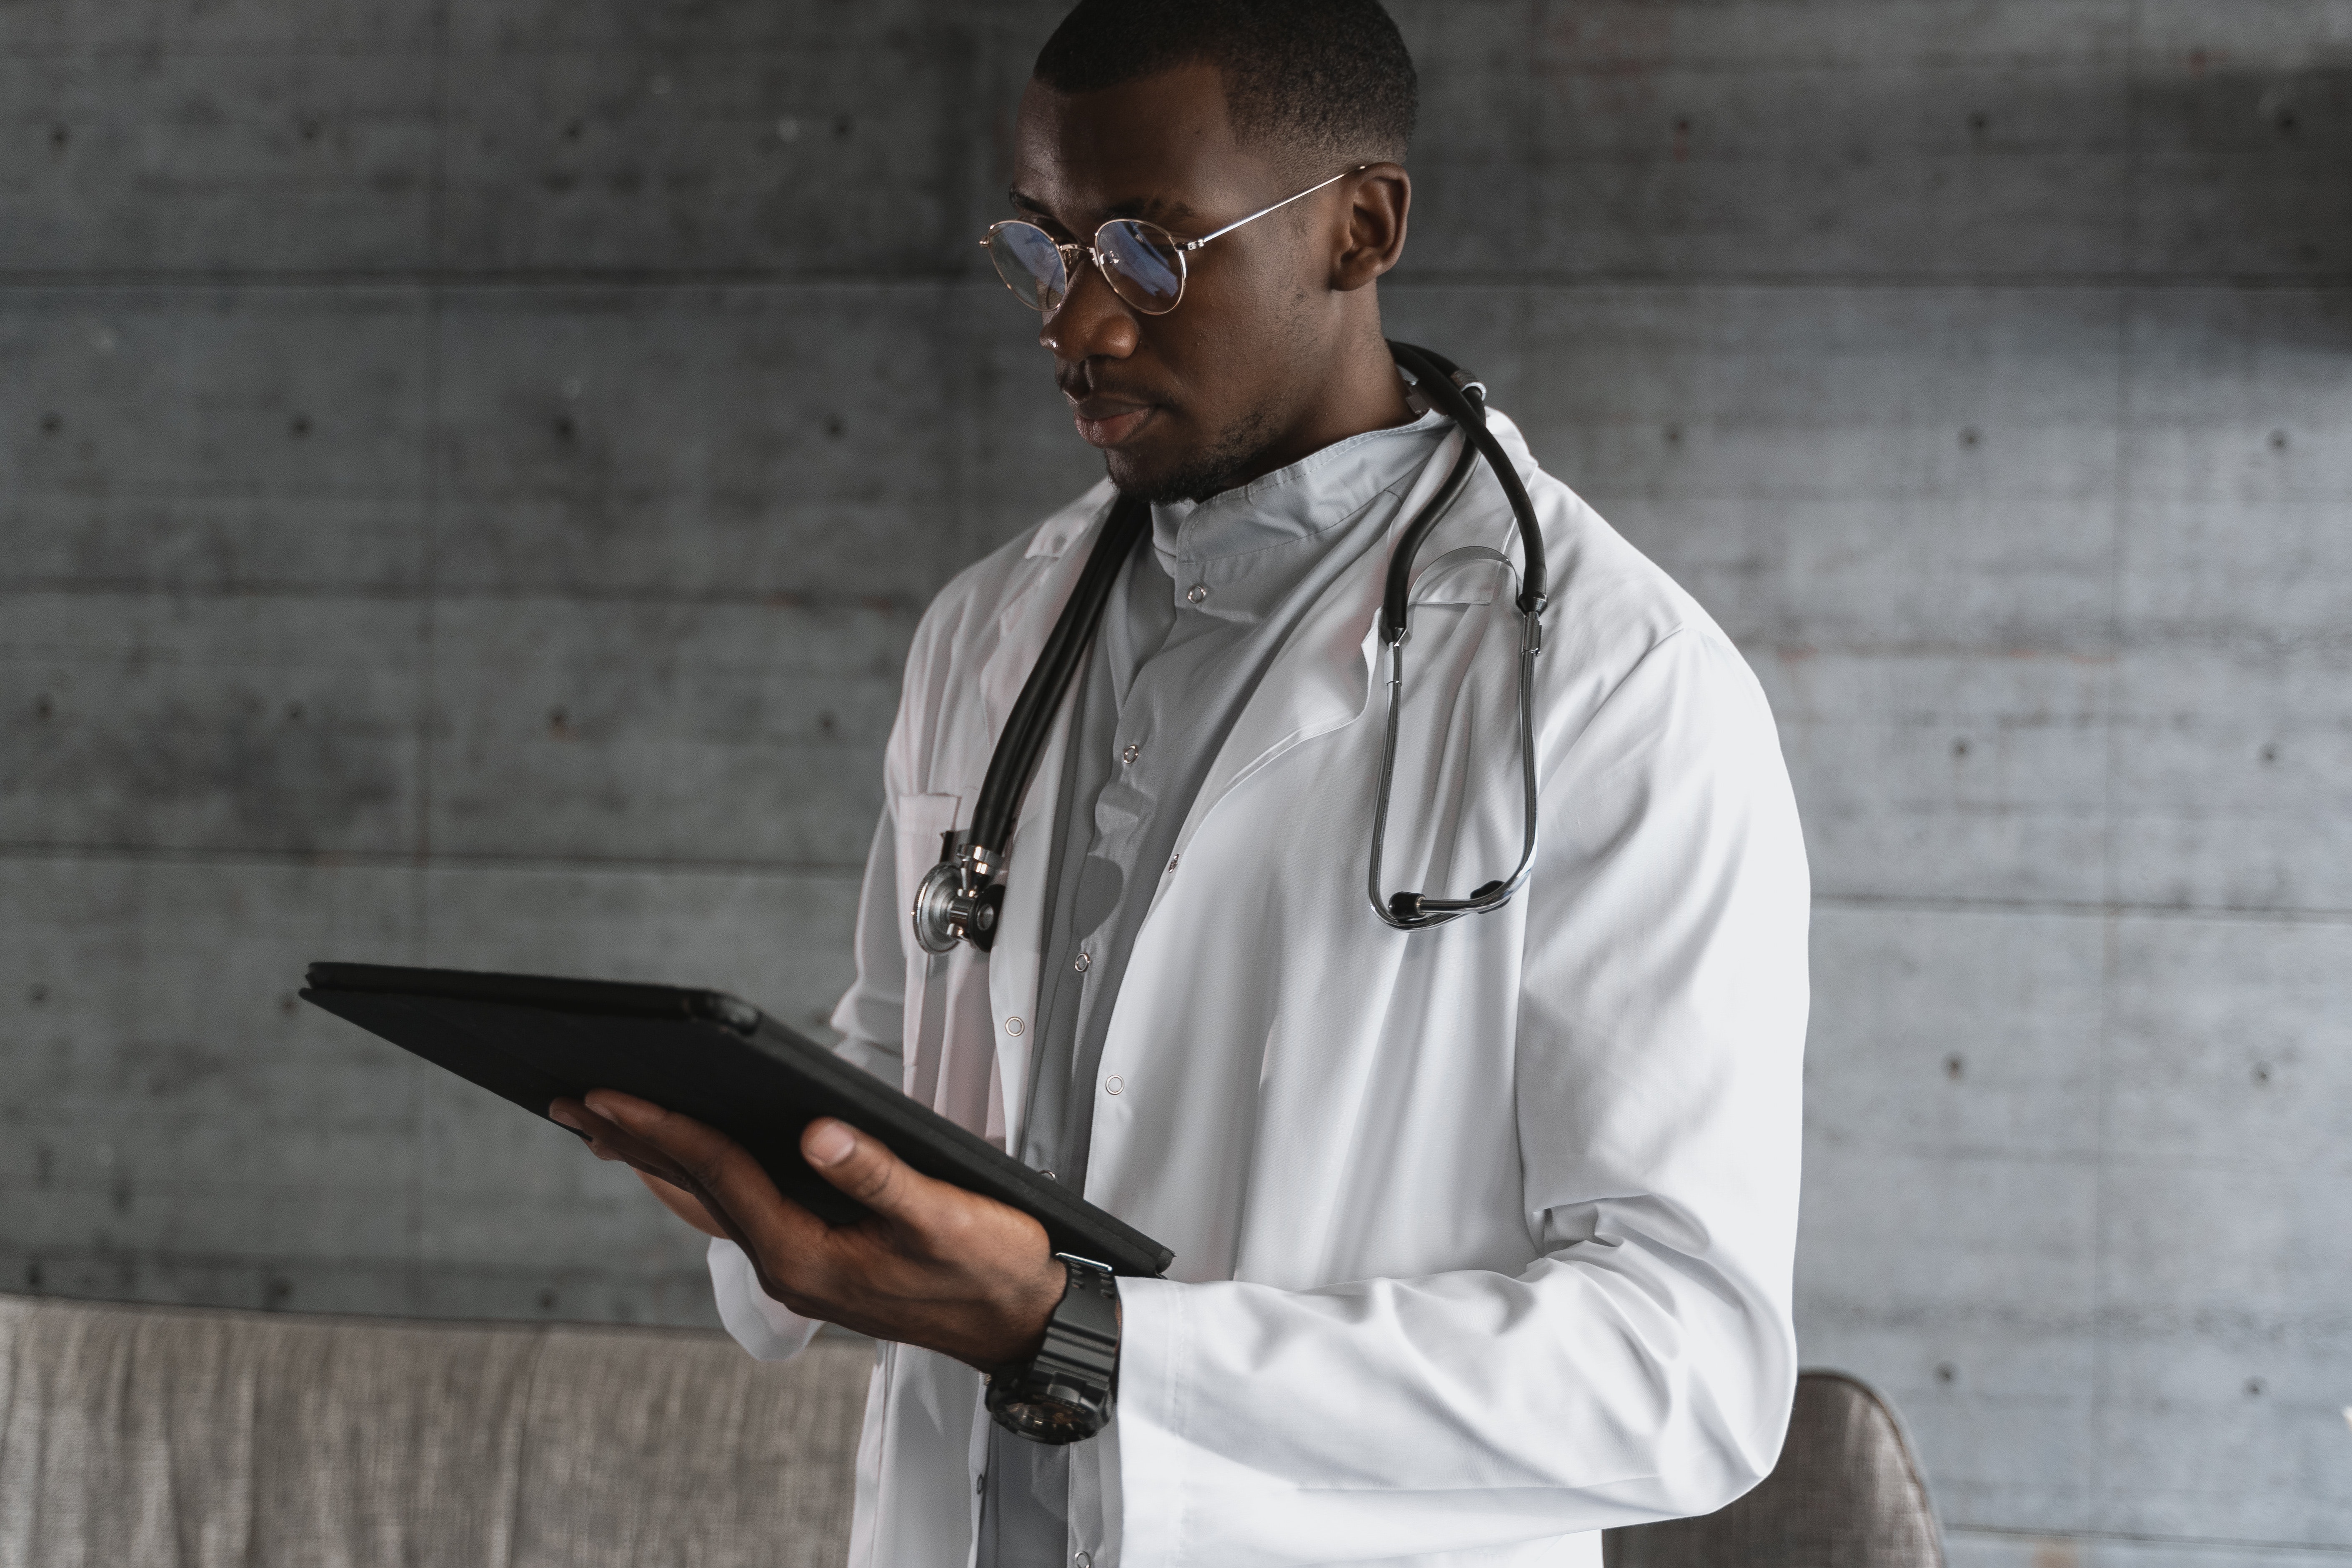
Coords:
931,1264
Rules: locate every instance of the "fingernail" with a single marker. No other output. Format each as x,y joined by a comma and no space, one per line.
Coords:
829,1144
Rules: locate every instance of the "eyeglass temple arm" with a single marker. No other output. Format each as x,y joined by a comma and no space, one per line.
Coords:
1196,243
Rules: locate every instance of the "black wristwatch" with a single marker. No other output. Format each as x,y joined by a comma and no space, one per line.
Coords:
1063,1393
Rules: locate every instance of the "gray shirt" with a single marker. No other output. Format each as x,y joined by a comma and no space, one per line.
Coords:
1199,612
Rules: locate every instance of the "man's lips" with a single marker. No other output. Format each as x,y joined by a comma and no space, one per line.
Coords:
1103,421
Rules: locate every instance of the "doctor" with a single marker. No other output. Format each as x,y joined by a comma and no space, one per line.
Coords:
1482,1233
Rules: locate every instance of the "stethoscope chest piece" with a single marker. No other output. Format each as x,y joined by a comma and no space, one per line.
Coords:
959,901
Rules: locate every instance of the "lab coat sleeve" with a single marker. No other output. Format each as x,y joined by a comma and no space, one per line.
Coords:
869,1018
1642,1367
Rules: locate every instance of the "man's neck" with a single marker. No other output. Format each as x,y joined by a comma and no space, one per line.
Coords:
1363,391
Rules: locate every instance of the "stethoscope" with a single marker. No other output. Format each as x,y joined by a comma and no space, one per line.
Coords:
963,897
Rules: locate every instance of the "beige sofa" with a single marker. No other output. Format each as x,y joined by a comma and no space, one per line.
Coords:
146,1437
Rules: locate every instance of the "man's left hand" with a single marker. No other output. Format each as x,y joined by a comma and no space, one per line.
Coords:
930,1264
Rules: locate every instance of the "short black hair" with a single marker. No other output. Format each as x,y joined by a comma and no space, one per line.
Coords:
1331,76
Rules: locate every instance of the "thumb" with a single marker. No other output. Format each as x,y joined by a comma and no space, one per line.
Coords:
860,1166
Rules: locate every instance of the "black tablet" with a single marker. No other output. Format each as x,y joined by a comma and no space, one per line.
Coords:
704,1054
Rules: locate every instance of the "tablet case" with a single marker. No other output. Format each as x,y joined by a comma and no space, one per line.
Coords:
534,1039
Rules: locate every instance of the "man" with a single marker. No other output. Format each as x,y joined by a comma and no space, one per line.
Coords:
1482,1232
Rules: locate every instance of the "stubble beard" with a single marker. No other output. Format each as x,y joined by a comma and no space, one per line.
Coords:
1235,455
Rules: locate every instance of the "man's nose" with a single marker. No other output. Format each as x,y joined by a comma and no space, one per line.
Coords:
1090,321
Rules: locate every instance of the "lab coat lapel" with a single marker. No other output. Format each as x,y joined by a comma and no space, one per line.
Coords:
1060,548
1012,961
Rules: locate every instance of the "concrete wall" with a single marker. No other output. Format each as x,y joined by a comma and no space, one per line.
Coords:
467,476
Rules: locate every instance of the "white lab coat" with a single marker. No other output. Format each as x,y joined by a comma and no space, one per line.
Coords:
1483,1235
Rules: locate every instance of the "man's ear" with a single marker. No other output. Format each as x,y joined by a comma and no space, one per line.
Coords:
1378,201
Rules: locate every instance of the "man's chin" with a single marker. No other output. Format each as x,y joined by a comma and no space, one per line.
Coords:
1157,482
1196,475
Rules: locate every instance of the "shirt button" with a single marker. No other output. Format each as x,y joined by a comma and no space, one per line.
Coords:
1085,1560
980,1483
1083,963
1049,1175
1197,592
1114,1084
1171,861
1132,751
1013,1027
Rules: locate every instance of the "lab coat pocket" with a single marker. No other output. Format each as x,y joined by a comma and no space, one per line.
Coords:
918,821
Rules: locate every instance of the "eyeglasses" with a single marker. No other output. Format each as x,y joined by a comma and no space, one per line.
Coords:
1142,262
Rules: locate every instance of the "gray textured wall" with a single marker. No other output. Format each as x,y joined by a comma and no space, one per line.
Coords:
468,474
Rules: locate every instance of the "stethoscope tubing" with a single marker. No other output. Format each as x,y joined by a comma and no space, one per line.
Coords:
1444,386
954,892
1014,760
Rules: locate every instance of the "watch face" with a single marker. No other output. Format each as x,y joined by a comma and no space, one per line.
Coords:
1056,1413
1049,1421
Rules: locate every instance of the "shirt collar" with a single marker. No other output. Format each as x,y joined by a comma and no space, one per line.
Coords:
1311,495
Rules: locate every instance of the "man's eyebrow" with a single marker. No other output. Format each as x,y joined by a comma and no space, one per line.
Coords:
1157,209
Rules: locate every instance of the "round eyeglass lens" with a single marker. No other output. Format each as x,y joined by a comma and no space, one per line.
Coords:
1030,264
1144,264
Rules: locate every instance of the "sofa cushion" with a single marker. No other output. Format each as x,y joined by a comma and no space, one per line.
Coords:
142,1437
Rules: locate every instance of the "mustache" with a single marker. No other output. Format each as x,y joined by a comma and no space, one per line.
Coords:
1079,385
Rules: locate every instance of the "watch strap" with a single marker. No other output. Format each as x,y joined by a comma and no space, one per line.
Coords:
1063,1393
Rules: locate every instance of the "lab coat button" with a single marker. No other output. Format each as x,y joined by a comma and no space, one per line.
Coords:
1013,1027
1132,751
1113,1084
1083,963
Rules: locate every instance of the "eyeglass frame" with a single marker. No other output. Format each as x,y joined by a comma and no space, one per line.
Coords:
1094,253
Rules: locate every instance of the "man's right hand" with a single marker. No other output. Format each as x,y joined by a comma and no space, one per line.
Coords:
681,1203
929,1264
